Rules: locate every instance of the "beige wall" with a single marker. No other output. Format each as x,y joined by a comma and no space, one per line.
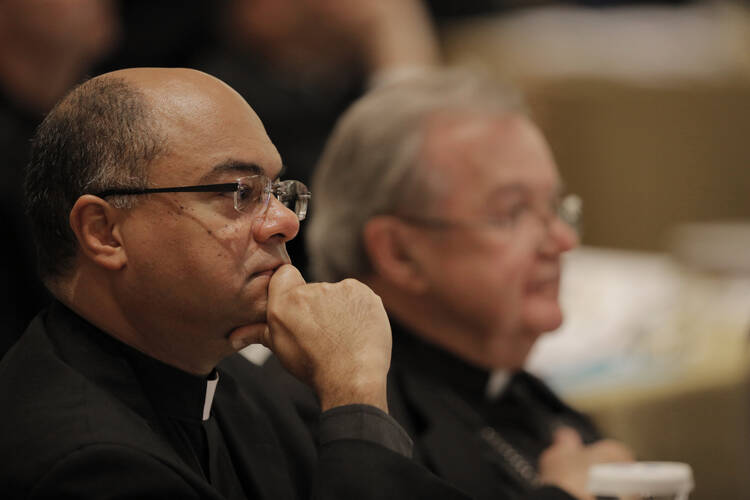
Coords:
646,109
644,159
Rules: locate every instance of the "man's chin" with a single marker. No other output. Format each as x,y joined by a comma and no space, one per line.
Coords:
543,316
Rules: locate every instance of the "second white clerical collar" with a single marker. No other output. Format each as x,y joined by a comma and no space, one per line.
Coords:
210,391
497,382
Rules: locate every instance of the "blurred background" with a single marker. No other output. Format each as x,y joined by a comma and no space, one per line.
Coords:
646,106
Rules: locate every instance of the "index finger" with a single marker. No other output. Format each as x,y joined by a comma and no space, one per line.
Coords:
567,437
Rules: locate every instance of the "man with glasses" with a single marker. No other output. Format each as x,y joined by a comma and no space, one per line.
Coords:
441,195
161,223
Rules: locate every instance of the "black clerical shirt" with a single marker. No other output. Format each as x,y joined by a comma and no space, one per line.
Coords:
525,410
117,409
182,407
484,440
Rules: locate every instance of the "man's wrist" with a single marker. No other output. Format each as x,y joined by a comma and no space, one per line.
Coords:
366,423
355,392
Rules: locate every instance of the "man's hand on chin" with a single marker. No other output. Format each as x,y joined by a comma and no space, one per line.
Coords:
335,337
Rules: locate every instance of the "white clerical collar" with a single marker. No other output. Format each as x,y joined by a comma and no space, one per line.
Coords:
210,391
497,382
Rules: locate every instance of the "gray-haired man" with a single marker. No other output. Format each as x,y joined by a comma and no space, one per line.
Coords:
443,196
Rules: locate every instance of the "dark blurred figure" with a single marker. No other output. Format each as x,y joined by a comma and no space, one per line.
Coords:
46,46
166,33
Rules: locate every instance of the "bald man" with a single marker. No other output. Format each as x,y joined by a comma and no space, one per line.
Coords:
161,227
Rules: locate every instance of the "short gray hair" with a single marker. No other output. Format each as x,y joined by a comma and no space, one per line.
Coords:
370,164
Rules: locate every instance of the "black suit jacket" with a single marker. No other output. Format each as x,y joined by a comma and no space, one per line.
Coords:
440,401
76,424
445,440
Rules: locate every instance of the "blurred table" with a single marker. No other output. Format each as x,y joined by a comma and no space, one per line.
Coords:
657,353
701,417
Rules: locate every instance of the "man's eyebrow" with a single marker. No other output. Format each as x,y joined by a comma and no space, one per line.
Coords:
507,189
232,166
521,189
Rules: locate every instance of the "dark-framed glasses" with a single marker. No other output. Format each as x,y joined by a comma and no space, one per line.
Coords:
569,209
251,193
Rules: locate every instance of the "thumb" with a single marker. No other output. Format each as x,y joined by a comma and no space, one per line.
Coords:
243,336
285,278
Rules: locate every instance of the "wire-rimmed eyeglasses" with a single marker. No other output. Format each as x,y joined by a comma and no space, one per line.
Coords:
569,209
251,193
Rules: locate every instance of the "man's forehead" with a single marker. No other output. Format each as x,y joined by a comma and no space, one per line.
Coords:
205,162
239,168
489,155
459,132
177,169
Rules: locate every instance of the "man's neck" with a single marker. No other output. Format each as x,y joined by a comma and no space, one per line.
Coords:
94,300
474,343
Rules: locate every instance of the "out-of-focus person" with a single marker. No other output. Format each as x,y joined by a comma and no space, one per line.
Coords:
46,46
442,195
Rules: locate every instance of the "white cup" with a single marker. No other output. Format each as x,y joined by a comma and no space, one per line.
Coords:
641,480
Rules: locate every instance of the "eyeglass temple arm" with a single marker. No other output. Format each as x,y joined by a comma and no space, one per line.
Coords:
207,188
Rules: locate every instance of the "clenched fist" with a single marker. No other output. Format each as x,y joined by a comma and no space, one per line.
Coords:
333,336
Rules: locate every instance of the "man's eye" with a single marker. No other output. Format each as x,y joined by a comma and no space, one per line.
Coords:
511,216
517,211
243,192
248,193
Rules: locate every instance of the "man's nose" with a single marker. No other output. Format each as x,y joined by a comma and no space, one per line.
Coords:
278,221
559,236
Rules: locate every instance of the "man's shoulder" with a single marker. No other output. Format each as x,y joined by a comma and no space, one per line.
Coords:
99,470
52,412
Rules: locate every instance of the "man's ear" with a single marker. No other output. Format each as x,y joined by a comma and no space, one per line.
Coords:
387,244
97,226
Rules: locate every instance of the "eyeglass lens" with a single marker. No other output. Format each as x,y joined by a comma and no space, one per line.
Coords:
570,210
254,192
